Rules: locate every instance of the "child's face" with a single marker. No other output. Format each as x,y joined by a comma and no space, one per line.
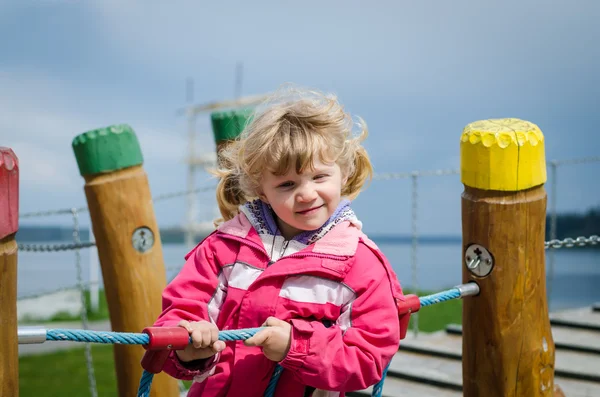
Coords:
303,201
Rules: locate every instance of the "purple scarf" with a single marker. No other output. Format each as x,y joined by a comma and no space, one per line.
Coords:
262,217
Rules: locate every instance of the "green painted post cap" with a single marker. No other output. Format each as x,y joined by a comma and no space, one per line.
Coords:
107,149
228,125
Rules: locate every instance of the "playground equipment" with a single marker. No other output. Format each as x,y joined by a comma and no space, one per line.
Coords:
507,340
9,224
128,241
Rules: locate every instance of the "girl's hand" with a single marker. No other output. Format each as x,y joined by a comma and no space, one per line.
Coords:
274,340
205,341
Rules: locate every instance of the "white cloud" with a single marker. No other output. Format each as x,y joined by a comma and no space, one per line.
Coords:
38,122
171,144
275,41
35,125
40,169
366,44
32,104
404,66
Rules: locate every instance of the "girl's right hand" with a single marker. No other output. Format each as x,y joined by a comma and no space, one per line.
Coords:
205,341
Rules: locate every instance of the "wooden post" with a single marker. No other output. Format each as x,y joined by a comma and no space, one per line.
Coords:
9,224
228,125
128,241
508,348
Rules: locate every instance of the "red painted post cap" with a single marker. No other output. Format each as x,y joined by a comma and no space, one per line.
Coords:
9,192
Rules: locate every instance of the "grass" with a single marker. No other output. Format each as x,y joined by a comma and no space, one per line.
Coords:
436,317
64,373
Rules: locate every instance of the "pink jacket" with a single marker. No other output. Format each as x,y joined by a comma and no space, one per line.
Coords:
337,293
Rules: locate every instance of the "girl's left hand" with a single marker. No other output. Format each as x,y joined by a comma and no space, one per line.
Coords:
274,340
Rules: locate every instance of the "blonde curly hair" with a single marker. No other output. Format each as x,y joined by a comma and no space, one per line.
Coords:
288,130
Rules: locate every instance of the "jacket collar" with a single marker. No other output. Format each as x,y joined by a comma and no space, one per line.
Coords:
341,240
263,219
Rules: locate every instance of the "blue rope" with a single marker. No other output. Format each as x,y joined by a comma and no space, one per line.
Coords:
273,381
80,335
227,335
447,295
145,384
427,300
378,388
127,338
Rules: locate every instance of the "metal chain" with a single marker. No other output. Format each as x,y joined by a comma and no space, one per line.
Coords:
54,247
376,176
84,318
554,243
572,242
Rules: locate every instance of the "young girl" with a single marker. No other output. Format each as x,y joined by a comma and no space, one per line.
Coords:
290,256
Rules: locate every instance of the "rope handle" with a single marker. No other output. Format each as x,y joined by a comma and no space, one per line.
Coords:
406,305
161,340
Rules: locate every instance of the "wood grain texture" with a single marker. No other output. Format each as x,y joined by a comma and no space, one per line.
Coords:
508,348
119,203
9,346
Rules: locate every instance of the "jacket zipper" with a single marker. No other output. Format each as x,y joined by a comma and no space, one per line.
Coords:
283,248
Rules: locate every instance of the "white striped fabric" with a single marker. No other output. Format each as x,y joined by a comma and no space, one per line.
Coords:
311,289
216,302
243,275
345,318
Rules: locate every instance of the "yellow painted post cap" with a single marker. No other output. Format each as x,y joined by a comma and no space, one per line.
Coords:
502,154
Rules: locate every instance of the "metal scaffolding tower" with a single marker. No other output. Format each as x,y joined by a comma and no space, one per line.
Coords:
194,227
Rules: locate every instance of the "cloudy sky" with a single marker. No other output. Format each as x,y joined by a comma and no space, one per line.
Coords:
417,72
